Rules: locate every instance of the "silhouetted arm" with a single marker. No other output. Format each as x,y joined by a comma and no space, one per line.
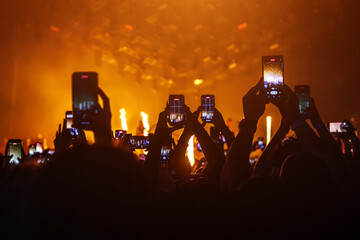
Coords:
265,164
220,125
178,161
213,155
237,166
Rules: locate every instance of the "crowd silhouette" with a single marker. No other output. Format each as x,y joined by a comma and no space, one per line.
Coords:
301,185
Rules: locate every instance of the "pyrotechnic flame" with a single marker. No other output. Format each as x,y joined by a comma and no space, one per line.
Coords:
123,119
190,151
145,122
268,129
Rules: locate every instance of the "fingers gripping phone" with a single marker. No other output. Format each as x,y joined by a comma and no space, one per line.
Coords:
176,113
85,98
14,148
303,94
207,107
273,75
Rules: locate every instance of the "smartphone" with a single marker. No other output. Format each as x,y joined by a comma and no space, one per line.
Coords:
165,153
14,147
303,94
32,150
119,134
207,107
337,127
85,97
38,147
140,142
69,119
176,115
273,75
261,143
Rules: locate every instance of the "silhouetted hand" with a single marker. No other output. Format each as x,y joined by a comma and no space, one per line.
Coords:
65,139
254,103
288,106
162,128
101,123
218,120
314,115
192,119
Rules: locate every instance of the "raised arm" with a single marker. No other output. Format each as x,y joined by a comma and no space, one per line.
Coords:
237,167
220,125
265,164
311,142
178,161
213,154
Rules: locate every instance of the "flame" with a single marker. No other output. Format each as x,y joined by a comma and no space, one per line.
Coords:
268,129
123,119
190,151
145,122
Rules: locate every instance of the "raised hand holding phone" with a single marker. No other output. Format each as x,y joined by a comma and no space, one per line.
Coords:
254,103
273,76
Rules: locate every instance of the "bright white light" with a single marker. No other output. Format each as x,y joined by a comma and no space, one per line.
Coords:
268,129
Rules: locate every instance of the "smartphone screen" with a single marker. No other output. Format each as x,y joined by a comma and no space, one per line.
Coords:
69,119
176,110
207,107
273,75
336,127
119,134
14,148
165,154
140,142
32,150
85,97
38,147
303,94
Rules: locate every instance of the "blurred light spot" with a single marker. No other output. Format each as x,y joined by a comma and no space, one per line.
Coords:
232,65
173,27
198,27
198,81
146,77
274,46
128,27
207,59
163,6
130,69
54,29
150,61
242,26
230,47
